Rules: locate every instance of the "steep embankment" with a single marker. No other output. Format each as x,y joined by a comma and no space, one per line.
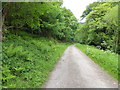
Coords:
28,59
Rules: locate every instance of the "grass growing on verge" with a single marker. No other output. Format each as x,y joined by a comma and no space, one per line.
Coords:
28,59
106,59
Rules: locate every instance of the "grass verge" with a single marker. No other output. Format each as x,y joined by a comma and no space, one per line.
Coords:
106,59
27,60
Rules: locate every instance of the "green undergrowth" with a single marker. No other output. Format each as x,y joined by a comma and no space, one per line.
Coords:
106,59
28,59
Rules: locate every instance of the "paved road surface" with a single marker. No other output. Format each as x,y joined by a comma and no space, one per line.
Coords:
76,70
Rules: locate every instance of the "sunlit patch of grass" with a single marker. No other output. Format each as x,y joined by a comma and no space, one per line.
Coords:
106,59
28,59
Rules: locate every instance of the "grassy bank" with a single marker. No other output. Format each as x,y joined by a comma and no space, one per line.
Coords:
28,59
106,59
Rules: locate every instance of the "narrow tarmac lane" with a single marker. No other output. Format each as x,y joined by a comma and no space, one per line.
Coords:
76,70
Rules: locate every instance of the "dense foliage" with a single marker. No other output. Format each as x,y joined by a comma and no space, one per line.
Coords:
28,59
43,18
101,26
51,20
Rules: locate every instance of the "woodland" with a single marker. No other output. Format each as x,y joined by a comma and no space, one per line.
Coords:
35,35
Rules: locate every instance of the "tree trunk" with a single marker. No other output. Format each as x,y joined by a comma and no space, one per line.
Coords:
5,12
